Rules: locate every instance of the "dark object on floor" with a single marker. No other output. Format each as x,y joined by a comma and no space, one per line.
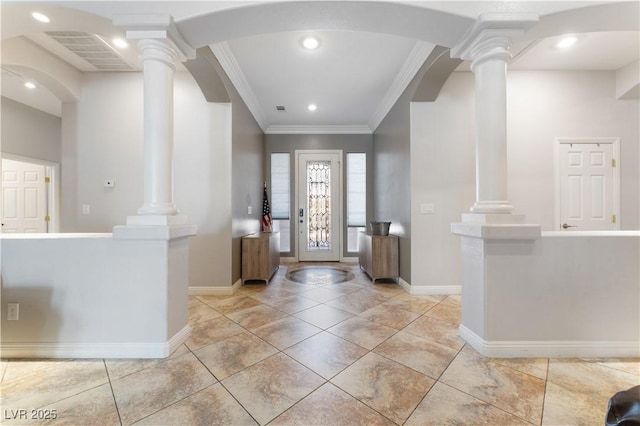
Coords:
624,408
320,275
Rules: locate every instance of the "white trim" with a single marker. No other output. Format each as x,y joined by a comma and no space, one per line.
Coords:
411,66
230,65
287,260
557,214
215,291
419,290
551,348
405,285
304,129
349,259
95,350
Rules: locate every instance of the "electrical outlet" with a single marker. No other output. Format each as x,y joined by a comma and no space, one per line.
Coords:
13,311
109,183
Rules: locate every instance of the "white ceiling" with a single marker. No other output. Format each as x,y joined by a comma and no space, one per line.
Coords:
352,76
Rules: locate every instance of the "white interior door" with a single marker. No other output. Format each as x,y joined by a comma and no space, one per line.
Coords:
24,197
319,205
587,187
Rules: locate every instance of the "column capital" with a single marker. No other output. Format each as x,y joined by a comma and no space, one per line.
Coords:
158,27
491,35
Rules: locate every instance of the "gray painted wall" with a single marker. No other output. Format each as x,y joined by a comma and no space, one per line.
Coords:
392,172
29,132
347,143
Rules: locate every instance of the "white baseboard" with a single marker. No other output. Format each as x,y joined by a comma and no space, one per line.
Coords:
95,350
550,349
349,259
285,260
429,290
215,291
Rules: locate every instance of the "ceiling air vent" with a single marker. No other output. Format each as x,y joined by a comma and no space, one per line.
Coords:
92,49
280,108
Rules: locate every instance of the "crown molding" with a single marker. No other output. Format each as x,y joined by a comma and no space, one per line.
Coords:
230,66
338,129
418,55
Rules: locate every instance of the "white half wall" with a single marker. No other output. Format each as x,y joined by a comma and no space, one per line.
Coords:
90,295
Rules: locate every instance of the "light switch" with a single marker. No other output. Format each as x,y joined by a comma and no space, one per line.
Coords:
86,209
249,210
109,183
428,208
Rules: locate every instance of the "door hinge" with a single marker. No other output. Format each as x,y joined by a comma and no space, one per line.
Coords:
47,218
613,162
613,218
47,180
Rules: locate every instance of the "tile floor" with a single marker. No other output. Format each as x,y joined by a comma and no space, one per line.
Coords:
354,353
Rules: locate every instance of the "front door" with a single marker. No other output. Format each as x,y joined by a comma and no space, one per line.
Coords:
587,187
319,205
24,197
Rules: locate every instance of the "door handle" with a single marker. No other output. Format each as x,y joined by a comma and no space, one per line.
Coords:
565,226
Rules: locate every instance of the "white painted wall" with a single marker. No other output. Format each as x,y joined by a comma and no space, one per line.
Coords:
90,295
565,294
542,105
102,139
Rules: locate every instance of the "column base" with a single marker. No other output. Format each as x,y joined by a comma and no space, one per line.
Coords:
492,207
493,218
159,209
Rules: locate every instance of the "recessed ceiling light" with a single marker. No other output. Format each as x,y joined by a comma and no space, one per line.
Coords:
40,17
310,43
312,107
29,85
120,42
566,42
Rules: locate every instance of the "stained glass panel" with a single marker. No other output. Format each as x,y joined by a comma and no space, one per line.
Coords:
319,204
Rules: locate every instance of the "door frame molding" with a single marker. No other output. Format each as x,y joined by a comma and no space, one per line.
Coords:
52,171
296,155
615,142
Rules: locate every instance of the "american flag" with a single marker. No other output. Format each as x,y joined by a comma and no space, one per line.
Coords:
266,212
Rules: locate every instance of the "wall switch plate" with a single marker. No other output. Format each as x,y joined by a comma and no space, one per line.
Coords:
428,208
109,183
86,209
13,311
249,209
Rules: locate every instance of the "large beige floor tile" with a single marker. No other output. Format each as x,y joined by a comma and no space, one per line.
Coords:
270,387
145,392
384,385
234,354
256,316
330,406
207,332
210,406
439,331
201,312
123,367
326,354
390,316
515,392
416,304
565,407
229,304
448,310
363,332
286,332
358,301
323,316
293,304
445,405
416,352
35,384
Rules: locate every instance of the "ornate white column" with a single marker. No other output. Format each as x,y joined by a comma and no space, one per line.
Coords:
158,61
487,46
161,46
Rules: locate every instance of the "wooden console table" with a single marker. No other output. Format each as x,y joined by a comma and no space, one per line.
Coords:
378,255
260,256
